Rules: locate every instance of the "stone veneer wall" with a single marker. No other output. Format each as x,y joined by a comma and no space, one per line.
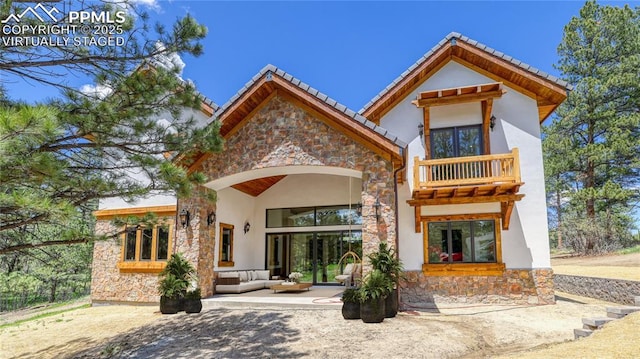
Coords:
108,284
282,134
611,290
197,241
521,286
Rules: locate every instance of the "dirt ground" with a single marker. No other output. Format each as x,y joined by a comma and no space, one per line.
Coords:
612,266
249,330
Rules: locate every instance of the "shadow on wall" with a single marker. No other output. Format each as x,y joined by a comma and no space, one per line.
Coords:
516,252
210,334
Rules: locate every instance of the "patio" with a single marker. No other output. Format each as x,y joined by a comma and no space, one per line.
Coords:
327,297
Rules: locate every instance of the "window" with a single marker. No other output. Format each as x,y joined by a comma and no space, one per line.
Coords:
456,141
463,241
471,246
225,256
145,249
313,216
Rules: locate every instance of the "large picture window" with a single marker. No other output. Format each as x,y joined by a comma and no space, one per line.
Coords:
462,244
462,241
225,254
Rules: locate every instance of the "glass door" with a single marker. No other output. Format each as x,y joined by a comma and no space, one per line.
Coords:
314,254
328,255
277,254
301,257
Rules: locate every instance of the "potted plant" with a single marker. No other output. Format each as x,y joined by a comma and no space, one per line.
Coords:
386,261
174,281
350,304
295,277
170,289
192,301
373,291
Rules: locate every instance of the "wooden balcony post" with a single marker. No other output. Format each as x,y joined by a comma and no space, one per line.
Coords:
516,164
416,173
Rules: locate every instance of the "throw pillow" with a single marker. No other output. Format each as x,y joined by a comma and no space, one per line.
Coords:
262,274
243,276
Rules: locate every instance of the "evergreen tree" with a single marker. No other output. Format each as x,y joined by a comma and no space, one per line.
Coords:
59,157
591,147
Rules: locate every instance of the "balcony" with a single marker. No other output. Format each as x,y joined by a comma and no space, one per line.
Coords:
463,180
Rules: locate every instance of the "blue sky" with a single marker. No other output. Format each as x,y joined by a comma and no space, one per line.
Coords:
352,50
348,50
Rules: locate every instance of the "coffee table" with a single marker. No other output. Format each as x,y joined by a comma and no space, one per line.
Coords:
298,287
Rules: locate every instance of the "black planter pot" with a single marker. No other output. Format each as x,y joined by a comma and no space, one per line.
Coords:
170,305
192,305
372,311
351,310
391,304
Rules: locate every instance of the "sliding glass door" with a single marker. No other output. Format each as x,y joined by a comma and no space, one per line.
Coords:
314,254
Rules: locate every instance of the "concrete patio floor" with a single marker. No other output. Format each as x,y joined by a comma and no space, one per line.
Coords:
317,296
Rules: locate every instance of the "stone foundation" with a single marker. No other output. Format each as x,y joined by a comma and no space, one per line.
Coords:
515,286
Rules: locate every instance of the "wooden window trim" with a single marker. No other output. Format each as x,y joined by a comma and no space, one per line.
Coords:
138,265
230,262
462,269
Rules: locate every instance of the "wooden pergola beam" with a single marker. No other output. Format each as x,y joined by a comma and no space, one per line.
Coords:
464,200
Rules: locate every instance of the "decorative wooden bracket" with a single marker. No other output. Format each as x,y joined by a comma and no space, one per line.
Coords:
506,208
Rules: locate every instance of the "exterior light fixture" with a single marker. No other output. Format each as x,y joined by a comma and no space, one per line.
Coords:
492,122
184,218
421,130
359,209
247,227
377,206
211,218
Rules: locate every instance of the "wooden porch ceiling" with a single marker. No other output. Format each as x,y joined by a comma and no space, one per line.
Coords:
257,186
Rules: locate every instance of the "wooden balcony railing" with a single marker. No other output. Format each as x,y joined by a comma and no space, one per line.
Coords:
462,171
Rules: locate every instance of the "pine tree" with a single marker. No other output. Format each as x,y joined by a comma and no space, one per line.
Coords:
591,147
59,157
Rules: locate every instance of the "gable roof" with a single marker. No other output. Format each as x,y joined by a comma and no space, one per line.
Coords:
271,78
547,90
272,81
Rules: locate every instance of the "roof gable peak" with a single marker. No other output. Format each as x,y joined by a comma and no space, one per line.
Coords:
548,90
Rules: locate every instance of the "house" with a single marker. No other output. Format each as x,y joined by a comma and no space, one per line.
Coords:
445,164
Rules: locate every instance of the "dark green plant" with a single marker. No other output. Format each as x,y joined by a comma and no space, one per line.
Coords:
350,295
386,261
180,267
376,285
193,294
178,270
171,287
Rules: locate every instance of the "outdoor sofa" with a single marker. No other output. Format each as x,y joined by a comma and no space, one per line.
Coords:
242,281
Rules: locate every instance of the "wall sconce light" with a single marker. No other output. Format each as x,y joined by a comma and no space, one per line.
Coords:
359,209
211,218
421,130
377,206
492,122
247,227
184,218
